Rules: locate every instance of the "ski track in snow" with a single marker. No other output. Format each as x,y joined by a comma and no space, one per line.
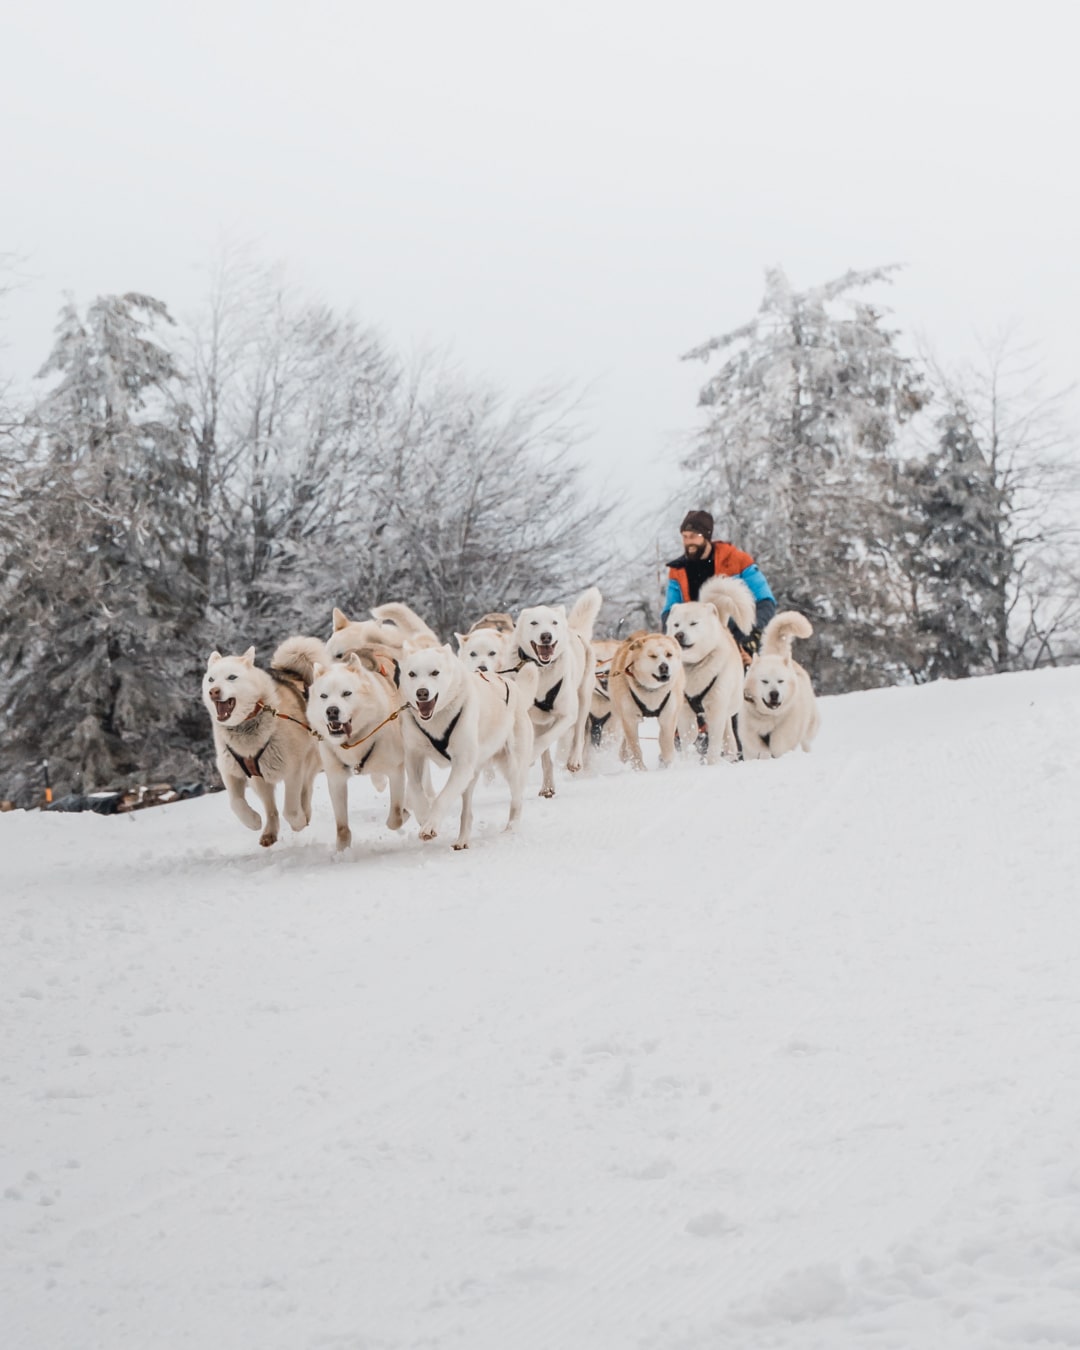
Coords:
768,1055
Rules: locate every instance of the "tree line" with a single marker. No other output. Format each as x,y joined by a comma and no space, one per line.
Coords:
180,488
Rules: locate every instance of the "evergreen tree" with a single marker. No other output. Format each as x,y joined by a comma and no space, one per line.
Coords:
957,556
100,601
796,460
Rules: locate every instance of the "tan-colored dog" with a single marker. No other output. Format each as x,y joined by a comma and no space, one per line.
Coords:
261,732
779,709
390,627
647,680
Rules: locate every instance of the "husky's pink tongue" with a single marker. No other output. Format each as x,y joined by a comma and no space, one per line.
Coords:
544,650
225,708
426,707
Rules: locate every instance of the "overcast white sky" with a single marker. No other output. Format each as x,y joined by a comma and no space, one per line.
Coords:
582,190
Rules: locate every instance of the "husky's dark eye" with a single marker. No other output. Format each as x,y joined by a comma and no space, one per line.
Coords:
433,674
324,697
232,677
412,674
346,693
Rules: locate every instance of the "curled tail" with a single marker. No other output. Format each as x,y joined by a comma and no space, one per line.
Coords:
298,656
401,616
732,599
583,614
782,629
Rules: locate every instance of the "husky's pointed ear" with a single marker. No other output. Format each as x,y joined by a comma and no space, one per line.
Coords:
318,670
340,621
248,657
561,611
214,656
462,638
355,661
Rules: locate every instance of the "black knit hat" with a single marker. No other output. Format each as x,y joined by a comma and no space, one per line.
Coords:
700,522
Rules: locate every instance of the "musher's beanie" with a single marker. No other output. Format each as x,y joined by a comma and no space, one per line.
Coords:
700,522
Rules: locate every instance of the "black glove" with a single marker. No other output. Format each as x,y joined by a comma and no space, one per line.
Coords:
752,642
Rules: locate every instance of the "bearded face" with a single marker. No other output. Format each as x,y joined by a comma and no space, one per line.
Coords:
694,545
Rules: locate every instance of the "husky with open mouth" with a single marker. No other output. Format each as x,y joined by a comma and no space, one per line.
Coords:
779,709
462,720
261,732
355,708
558,645
647,680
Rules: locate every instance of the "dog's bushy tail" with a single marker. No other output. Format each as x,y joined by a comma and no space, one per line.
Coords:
297,656
583,614
782,629
410,623
732,599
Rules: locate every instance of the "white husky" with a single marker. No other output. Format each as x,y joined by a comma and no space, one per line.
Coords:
711,660
261,732
354,707
485,649
463,720
779,710
557,643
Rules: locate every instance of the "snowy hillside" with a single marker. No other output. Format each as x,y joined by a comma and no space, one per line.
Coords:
766,1055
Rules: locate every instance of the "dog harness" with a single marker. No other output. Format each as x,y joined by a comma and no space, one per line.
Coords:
653,712
249,763
442,743
596,727
547,703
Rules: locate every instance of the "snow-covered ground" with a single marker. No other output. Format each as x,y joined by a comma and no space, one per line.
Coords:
764,1055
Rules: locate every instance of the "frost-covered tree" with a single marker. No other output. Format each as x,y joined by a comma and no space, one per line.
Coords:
1006,514
796,461
337,477
98,595
480,502
956,555
286,399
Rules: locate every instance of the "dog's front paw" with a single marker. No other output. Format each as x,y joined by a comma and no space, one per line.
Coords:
344,838
573,768
458,847
428,833
547,792
267,838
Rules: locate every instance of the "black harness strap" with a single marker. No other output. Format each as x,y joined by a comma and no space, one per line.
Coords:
547,704
697,701
359,768
442,743
596,727
249,763
649,712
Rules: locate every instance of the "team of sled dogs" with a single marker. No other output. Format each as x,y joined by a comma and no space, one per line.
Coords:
383,696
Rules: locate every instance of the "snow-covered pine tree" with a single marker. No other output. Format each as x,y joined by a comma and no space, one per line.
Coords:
956,557
1025,558
795,460
100,607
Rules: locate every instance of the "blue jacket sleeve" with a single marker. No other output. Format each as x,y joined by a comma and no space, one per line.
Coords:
672,596
755,579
